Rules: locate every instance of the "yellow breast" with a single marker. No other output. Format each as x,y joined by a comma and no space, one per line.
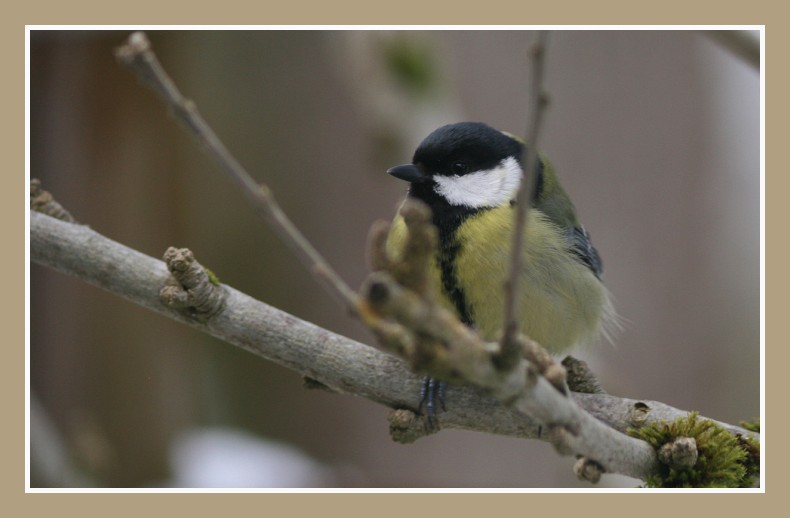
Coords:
562,303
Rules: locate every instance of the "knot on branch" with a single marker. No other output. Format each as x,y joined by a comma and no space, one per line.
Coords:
42,201
639,413
406,426
191,286
588,470
580,378
136,44
562,436
136,54
679,454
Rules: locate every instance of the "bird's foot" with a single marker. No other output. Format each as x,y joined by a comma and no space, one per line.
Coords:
431,392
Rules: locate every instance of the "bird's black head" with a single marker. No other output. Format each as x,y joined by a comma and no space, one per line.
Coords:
468,164
466,147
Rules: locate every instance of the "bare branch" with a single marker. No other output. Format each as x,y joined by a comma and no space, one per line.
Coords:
511,351
138,56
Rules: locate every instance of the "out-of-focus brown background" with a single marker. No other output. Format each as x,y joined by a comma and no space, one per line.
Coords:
655,135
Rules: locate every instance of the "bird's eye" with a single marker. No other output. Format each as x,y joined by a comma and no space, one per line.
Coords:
459,168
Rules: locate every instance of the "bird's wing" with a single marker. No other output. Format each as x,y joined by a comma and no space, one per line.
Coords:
581,246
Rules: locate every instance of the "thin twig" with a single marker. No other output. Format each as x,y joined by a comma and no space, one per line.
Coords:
137,54
510,346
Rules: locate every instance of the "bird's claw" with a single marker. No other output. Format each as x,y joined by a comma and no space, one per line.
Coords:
432,390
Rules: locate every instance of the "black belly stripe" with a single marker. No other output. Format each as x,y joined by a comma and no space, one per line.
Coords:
450,282
448,219
449,248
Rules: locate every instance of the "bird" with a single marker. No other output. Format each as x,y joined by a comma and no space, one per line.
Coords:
469,174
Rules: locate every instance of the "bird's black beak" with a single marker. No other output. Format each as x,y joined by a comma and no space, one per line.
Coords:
407,172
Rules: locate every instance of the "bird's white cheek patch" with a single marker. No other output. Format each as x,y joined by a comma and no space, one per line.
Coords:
490,188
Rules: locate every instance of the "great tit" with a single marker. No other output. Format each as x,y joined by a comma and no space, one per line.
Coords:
469,175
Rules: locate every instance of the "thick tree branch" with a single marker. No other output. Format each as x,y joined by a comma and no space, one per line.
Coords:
344,365
340,363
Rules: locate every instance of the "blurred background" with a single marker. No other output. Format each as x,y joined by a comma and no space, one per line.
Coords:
655,134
